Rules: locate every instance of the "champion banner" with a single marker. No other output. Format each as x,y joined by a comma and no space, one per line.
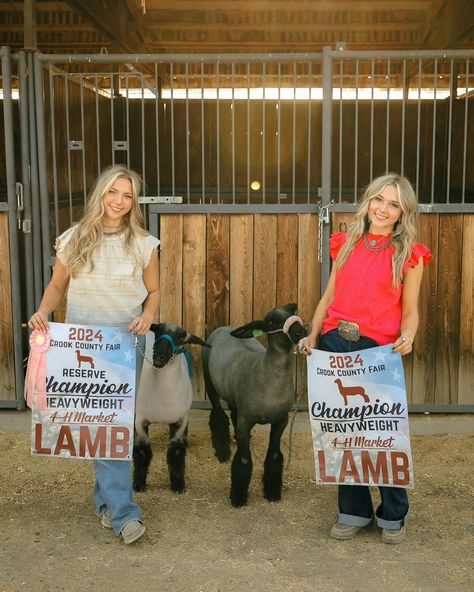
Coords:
359,418
90,394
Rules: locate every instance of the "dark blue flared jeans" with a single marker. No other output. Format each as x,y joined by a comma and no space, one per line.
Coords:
355,502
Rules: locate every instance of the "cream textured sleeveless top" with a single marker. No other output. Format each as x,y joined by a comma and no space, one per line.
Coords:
113,292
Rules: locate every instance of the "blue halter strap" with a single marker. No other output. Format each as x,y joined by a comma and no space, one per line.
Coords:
177,351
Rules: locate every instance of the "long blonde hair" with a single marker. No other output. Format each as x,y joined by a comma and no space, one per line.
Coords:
404,233
89,233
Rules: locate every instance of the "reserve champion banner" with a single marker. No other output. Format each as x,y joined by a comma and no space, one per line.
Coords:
90,394
359,418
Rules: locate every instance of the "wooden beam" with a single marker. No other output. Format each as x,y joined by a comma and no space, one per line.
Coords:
450,21
284,5
29,25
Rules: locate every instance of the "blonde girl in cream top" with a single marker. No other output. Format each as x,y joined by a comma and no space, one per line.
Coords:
108,266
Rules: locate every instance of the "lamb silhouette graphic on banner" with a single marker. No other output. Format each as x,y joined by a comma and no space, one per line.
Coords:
87,359
351,391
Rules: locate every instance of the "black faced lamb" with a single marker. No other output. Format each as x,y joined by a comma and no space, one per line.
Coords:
165,395
257,383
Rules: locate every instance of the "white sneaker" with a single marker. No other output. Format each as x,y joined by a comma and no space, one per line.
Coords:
132,531
343,532
394,536
106,520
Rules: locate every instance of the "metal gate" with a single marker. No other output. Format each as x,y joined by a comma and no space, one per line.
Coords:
11,393
280,134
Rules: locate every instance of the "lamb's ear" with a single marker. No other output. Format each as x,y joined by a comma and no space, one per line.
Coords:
196,340
248,330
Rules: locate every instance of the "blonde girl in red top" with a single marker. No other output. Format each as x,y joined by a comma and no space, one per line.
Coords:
372,299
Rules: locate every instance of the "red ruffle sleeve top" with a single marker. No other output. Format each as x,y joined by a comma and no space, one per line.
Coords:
364,289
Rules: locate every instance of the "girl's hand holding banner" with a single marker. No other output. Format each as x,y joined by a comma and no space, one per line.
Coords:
359,418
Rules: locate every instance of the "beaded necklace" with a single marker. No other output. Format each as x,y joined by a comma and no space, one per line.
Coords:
373,245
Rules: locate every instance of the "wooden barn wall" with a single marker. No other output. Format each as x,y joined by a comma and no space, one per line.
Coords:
219,269
7,366
230,269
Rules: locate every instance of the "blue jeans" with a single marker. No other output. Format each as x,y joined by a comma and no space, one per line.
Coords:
113,489
355,502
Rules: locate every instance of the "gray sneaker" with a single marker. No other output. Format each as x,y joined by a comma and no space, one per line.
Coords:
132,531
394,536
106,520
342,532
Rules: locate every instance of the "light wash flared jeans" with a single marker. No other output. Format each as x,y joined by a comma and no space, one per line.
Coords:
113,488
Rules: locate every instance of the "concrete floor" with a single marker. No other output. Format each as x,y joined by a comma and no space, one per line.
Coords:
420,423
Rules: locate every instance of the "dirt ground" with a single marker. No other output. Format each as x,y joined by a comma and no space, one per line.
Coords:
52,541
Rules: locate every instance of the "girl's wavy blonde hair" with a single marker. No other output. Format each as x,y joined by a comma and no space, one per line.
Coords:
404,233
89,233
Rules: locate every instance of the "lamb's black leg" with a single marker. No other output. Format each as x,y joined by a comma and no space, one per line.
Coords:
273,466
218,421
241,472
176,456
142,455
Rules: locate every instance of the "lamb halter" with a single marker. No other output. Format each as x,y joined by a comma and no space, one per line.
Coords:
286,326
176,352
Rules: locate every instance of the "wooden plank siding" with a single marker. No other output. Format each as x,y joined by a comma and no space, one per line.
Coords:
7,366
235,268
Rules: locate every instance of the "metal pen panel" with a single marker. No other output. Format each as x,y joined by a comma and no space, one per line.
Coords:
35,192
188,192
248,132
127,117
293,140
218,129
433,136
12,207
173,186
68,141
112,118
310,83
404,95
341,146
356,133
157,130
42,168
203,153
97,124
387,123
53,150
279,134
233,132
84,183
450,122
25,177
263,132
142,138
418,130
464,152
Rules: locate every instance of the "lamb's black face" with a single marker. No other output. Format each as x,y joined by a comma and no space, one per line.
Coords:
277,317
168,338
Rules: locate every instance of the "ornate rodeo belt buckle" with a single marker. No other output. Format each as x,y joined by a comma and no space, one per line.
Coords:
348,330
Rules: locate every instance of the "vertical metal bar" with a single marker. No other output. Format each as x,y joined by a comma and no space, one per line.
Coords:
341,85
84,183
356,132
97,124
112,128
279,134
218,147
404,93
187,132
172,130
450,121
35,202
326,157
371,149
418,131
203,162
310,76
68,139
157,130
42,168
233,133
127,117
248,132
387,126
464,154
293,149
25,177
433,139
143,141
53,151
263,132
13,238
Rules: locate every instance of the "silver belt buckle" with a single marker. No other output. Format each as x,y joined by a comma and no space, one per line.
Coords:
349,330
